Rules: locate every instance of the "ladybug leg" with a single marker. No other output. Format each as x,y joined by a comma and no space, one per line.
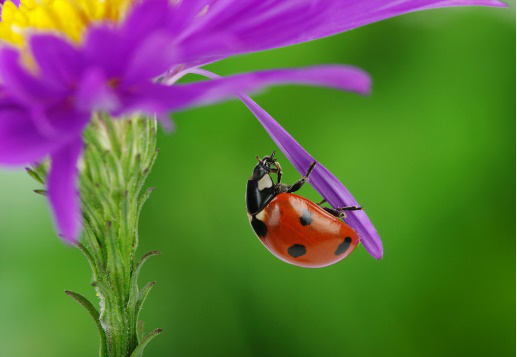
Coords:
282,188
298,184
350,208
335,212
322,202
340,212
279,173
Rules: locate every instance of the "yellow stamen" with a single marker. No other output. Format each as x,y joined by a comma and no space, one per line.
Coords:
67,17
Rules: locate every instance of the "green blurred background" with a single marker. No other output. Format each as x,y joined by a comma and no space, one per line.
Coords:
430,154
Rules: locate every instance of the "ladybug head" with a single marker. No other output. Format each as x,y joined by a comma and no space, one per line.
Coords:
260,188
265,166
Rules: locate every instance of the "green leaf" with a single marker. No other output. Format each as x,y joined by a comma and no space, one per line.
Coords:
34,175
103,352
144,198
41,169
140,348
142,295
143,260
112,134
41,192
90,259
133,299
115,263
140,330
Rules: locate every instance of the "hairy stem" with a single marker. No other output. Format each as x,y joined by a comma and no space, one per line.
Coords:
118,157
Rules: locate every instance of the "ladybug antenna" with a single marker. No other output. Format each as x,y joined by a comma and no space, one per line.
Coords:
258,158
271,158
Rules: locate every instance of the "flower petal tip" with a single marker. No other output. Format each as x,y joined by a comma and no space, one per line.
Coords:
377,253
69,239
365,83
167,123
348,78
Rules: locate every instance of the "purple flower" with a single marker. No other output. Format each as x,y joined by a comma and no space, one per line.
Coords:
132,67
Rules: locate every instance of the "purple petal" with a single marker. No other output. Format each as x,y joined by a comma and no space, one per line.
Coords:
161,99
146,17
151,15
107,49
20,141
63,193
57,59
146,64
265,24
321,179
21,84
347,15
149,35
94,93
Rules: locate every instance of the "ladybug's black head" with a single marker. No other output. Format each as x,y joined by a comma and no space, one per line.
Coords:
264,166
260,188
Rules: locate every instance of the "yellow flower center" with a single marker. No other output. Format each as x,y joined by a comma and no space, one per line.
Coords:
67,17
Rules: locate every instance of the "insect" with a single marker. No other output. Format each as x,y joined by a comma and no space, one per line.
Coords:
293,228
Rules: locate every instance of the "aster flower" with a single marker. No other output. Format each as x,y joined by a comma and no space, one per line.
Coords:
65,60
85,80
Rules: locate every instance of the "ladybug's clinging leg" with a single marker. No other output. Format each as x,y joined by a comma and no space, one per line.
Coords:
322,202
298,184
339,212
350,208
279,172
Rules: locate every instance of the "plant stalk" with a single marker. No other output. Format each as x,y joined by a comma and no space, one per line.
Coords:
117,159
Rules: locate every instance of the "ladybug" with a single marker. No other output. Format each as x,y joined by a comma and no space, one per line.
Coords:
293,228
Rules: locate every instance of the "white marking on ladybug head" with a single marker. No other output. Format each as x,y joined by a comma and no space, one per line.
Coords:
260,216
265,182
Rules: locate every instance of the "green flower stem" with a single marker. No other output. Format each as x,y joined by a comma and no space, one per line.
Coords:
117,159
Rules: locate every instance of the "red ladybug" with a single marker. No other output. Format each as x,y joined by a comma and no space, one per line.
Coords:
293,228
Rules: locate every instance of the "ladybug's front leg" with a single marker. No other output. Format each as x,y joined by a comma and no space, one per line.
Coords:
339,212
278,172
298,184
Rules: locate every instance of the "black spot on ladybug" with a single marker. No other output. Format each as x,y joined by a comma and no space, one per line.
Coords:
296,250
343,247
306,218
259,227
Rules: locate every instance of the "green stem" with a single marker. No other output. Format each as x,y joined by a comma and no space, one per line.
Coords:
118,157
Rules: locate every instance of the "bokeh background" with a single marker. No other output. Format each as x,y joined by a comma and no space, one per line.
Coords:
430,154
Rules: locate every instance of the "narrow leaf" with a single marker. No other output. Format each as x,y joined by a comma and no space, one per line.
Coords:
103,352
134,278
140,348
144,198
142,261
140,330
142,295
90,259
114,261
41,192
34,175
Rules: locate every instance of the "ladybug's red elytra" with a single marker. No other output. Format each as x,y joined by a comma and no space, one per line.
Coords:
293,228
